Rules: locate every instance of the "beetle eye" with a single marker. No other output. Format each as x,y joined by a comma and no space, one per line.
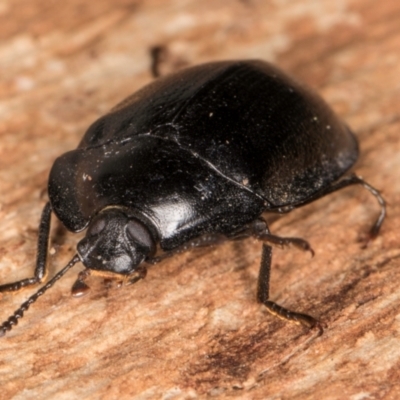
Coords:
139,233
97,226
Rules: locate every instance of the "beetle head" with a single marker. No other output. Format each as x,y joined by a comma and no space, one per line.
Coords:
115,243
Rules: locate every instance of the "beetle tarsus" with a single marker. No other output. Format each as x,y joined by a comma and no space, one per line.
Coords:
41,259
297,318
16,286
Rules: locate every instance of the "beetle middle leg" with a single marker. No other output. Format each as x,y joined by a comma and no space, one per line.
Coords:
41,258
259,229
272,307
157,55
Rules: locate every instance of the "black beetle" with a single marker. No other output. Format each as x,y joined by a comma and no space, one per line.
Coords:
192,159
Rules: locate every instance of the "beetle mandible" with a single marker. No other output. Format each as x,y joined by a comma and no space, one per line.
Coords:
190,160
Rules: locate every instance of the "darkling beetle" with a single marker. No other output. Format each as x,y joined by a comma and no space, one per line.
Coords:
190,160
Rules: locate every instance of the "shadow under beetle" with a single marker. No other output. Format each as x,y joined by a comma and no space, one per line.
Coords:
190,160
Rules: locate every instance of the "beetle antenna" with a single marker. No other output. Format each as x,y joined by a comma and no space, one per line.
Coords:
13,320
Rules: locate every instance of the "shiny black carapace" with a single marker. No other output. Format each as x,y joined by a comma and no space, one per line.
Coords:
190,160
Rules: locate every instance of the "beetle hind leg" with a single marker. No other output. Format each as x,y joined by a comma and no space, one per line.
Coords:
350,180
274,308
41,259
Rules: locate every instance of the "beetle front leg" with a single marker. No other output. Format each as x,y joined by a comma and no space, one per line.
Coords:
41,258
272,307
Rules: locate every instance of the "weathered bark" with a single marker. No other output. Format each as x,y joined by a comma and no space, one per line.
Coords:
192,328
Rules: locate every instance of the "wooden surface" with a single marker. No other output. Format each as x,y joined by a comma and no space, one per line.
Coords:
192,329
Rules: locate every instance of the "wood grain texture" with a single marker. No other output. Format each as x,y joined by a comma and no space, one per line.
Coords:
192,329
